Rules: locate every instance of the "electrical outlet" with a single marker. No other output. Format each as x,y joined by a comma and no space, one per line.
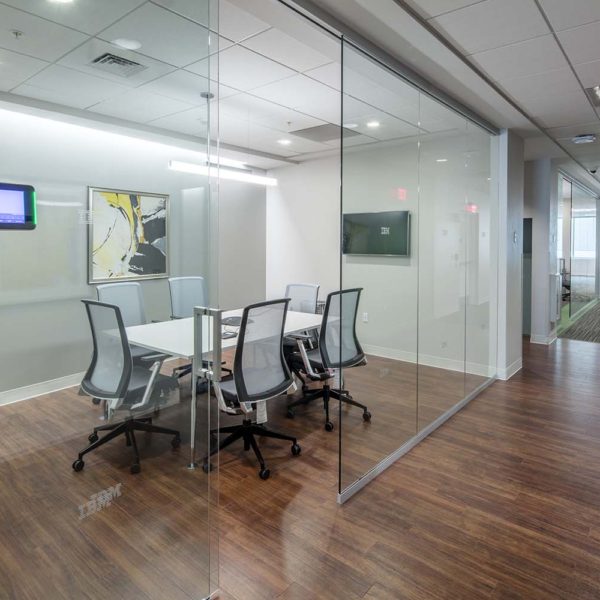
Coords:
365,317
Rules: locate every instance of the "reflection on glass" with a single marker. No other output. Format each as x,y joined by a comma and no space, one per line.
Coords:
583,249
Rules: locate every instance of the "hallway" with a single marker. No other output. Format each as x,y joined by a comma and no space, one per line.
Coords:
501,502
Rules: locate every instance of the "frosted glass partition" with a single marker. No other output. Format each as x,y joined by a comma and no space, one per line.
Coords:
427,317
109,209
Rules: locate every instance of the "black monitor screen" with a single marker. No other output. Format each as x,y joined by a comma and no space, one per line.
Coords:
384,233
17,206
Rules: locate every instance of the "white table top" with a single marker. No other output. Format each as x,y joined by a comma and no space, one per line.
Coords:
176,337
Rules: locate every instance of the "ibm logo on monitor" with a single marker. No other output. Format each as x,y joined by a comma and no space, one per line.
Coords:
385,231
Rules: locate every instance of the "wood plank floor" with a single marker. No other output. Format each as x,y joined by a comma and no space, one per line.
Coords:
502,502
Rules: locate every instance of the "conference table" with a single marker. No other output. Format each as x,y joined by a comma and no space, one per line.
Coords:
179,338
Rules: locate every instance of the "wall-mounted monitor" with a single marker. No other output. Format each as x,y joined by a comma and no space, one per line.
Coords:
382,233
17,206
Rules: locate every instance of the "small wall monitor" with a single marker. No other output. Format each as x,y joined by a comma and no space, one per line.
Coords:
17,206
382,233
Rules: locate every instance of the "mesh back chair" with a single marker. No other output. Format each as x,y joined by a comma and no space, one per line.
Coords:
339,348
260,373
186,293
128,297
303,297
126,388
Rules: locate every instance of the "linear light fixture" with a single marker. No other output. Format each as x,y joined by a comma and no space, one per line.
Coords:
225,162
221,173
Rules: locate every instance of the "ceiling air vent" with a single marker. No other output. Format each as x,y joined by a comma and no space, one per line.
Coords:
117,65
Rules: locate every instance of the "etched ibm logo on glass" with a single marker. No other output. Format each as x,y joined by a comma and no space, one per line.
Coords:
99,501
385,230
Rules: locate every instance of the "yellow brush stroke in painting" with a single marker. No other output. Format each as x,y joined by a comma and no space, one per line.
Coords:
112,256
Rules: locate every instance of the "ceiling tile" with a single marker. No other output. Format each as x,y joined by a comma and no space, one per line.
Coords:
71,88
533,56
163,35
287,50
492,24
582,44
263,112
432,8
330,74
16,68
564,15
140,106
186,86
190,122
81,58
195,10
243,69
304,95
543,85
237,24
89,16
589,73
40,39
570,131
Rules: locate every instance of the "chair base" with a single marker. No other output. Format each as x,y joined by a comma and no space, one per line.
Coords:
327,393
126,428
248,431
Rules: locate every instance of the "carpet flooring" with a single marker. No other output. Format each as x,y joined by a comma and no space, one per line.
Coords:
585,329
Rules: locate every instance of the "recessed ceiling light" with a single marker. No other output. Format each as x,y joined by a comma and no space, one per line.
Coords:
584,138
441,160
594,94
350,125
373,124
127,44
284,142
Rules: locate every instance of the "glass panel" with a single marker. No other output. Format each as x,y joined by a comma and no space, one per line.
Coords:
481,208
380,206
102,529
443,224
583,249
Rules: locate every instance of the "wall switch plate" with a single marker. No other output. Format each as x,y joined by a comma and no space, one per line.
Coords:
365,317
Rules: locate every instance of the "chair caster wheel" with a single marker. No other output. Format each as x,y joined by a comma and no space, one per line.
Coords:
264,474
176,442
367,416
78,465
329,426
96,401
296,449
93,437
290,413
207,467
135,468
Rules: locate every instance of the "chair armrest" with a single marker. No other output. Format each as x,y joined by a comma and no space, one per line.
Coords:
299,336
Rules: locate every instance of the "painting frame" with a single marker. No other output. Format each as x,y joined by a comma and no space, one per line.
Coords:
93,279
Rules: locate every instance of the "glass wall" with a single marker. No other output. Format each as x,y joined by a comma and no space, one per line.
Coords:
423,189
95,137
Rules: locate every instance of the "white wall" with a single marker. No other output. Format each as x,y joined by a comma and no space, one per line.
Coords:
510,252
43,273
303,227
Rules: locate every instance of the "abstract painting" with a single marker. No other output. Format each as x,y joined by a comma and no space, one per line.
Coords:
127,235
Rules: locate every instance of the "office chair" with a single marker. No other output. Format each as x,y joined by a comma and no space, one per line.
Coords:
303,298
187,293
127,295
113,377
260,373
339,348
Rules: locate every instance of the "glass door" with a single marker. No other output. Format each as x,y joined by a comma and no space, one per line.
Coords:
110,138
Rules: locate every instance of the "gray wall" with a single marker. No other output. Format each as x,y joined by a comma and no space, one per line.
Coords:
43,273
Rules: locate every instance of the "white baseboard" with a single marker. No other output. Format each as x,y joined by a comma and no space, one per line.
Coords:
546,340
509,371
428,360
38,389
